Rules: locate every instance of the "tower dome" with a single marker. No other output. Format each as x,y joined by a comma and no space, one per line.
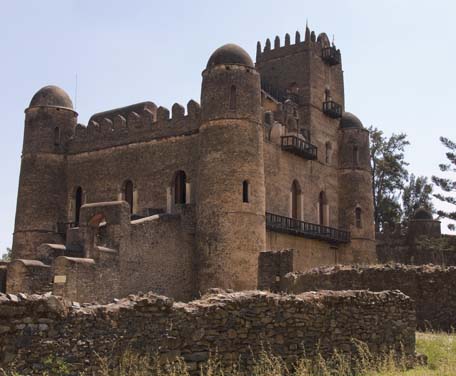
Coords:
230,54
349,120
51,96
423,214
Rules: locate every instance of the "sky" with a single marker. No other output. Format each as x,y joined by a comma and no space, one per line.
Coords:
398,61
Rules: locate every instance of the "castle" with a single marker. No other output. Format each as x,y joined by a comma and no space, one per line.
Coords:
139,200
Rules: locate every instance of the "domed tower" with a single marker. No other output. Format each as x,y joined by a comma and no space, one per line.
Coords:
356,207
231,193
422,224
49,123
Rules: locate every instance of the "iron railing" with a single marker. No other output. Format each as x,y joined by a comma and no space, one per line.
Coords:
299,147
296,227
332,109
331,55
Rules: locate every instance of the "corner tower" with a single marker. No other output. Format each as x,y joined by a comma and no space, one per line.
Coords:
356,205
41,205
231,193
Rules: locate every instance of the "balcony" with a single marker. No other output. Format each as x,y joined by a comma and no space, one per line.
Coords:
298,146
332,109
331,55
296,227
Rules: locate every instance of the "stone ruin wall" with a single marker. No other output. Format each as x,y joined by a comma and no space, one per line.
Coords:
433,288
35,327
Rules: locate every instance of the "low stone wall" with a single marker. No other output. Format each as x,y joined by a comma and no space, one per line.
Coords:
33,328
433,288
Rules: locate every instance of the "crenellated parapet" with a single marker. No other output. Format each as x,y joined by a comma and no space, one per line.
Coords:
318,44
135,123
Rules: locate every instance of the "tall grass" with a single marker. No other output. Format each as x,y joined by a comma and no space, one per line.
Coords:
440,349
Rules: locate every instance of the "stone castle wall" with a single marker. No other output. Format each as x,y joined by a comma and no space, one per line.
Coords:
433,288
33,328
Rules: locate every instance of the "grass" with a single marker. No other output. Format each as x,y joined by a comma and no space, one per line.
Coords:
440,349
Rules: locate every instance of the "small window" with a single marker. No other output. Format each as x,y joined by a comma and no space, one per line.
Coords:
355,155
128,194
233,98
327,95
56,136
77,206
180,181
245,191
322,202
328,152
296,200
358,220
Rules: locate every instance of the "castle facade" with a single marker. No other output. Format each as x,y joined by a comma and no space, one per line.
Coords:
143,199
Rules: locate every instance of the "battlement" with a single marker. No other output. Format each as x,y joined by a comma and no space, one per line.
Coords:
311,41
135,123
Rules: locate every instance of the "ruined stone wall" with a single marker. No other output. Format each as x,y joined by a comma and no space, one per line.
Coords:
397,247
433,288
36,327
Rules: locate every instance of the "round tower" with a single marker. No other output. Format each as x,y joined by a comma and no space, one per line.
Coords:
41,204
356,206
230,204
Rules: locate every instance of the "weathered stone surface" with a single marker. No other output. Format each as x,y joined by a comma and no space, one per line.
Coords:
233,324
433,288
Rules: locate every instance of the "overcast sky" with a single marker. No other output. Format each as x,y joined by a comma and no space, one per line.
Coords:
398,59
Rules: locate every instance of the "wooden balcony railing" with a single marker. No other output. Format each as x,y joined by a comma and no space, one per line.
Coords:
296,227
331,55
299,147
332,109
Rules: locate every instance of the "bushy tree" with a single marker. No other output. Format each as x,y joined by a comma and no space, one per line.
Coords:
389,175
446,184
416,193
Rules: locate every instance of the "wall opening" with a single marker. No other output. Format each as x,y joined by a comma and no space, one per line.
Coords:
328,149
358,218
245,191
56,136
296,200
77,205
180,194
233,97
322,204
127,194
355,156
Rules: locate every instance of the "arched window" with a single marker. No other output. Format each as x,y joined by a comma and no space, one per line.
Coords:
295,200
77,205
180,193
233,97
245,191
56,136
355,155
127,194
328,148
358,220
322,208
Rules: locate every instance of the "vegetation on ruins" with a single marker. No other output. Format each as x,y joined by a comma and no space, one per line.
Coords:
439,348
446,184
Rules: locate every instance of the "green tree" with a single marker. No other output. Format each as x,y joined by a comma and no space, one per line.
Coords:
6,256
417,193
389,174
446,184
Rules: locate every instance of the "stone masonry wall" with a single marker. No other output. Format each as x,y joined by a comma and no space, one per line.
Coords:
237,324
433,288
